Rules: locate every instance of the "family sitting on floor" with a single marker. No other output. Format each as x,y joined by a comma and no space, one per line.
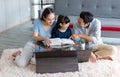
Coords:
45,27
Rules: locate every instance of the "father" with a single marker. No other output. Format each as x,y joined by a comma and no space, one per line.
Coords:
89,29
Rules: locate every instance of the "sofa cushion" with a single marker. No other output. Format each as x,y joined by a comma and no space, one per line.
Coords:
100,8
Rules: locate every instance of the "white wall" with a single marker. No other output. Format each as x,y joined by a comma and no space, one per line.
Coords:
2,15
13,12
25,7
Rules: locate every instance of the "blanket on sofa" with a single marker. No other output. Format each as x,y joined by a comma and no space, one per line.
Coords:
102,68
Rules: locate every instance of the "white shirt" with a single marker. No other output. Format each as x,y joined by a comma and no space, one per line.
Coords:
93,30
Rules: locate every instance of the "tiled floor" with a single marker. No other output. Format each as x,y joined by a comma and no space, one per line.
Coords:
16,37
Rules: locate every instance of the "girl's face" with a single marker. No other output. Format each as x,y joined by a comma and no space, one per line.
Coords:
50,19
64,25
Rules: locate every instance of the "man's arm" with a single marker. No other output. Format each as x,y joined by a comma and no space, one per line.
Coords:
95,35
87,38
97,32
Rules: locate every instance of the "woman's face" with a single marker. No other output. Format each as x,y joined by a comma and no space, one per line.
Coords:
50,19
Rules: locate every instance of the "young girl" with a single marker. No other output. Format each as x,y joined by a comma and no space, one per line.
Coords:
62,30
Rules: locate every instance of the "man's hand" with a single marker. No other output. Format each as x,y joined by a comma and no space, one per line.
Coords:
74,36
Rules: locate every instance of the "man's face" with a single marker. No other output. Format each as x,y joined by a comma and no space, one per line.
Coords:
82,23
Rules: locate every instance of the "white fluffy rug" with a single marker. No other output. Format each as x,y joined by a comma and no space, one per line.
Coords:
102,68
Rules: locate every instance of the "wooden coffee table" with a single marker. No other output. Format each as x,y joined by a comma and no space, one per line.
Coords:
60,60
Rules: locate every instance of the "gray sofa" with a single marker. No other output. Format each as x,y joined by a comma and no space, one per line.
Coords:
107,11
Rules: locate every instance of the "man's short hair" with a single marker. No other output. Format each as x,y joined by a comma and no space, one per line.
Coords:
86,16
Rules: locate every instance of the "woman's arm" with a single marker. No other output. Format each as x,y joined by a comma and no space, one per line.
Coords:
38,38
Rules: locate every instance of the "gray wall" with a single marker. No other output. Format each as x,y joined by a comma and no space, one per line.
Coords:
100,8
13,12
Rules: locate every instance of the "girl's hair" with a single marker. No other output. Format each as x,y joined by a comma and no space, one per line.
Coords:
86,16
61,19
46,12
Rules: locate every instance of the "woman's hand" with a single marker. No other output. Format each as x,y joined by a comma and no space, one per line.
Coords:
47,41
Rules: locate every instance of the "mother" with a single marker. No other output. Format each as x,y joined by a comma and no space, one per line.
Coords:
41,32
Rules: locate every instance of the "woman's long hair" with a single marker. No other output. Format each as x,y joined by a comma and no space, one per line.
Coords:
46,12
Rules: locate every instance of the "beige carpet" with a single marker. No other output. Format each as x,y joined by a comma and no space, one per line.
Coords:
102,68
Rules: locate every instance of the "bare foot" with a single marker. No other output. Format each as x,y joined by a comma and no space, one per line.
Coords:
16,53
93,57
